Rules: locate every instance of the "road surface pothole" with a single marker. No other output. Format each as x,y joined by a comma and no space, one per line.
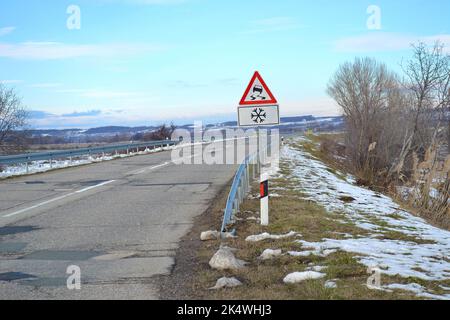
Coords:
45,282
4,231
62,255
34,182
13,276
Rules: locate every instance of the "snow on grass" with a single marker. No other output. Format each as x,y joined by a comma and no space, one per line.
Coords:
417,289
266,236
320,252
297,277
330,284
425,253
269,254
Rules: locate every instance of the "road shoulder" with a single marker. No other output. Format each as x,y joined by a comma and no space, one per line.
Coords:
180,285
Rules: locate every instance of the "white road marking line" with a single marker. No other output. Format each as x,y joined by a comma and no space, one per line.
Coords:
141,171
56,199
37,205
96,186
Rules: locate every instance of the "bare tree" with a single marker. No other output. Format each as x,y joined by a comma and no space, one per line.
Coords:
428,83
371,99
164,132
12,116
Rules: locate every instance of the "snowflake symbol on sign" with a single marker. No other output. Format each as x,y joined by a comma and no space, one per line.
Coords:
258,115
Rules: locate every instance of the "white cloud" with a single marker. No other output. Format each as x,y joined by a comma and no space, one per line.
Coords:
145,2
272,24
10,81
102,94
6,30
384,41
57,50
45,85
322,106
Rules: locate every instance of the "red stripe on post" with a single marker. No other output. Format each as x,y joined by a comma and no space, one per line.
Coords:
264,189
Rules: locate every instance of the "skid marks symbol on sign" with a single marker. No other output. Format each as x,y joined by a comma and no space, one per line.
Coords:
258,115
257,92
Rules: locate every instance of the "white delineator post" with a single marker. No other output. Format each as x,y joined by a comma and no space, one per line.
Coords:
264,193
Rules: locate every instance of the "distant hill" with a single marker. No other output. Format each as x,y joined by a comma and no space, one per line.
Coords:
117,129
288,124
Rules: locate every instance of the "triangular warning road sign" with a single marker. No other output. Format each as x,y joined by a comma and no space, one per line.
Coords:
257,92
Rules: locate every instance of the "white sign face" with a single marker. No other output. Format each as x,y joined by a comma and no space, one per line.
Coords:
265,115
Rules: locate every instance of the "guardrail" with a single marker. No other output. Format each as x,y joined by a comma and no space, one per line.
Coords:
248,170
64,154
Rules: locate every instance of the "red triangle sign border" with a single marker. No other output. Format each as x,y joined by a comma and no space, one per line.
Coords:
272,99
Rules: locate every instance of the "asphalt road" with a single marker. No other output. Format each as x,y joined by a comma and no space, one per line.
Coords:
119,221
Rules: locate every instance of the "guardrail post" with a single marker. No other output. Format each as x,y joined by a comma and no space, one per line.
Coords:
51,163
70,160
27,169
247,176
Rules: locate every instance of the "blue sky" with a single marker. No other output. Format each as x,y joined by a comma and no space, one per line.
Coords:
137,62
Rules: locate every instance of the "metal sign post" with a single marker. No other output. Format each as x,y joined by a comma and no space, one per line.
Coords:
258,107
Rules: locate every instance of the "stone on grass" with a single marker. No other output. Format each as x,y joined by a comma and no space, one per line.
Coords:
297,277
226,283
210,235
216,235
224,259
330,284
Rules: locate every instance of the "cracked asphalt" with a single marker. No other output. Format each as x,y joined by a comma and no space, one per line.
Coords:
119,221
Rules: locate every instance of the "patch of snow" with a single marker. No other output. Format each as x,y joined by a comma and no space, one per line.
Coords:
45,165
266,236
318,268
417,289
275,195
330,284
320,252
269,254
302,253
226,283
297,277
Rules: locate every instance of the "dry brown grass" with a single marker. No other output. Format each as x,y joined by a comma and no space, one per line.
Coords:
431,187
430,176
